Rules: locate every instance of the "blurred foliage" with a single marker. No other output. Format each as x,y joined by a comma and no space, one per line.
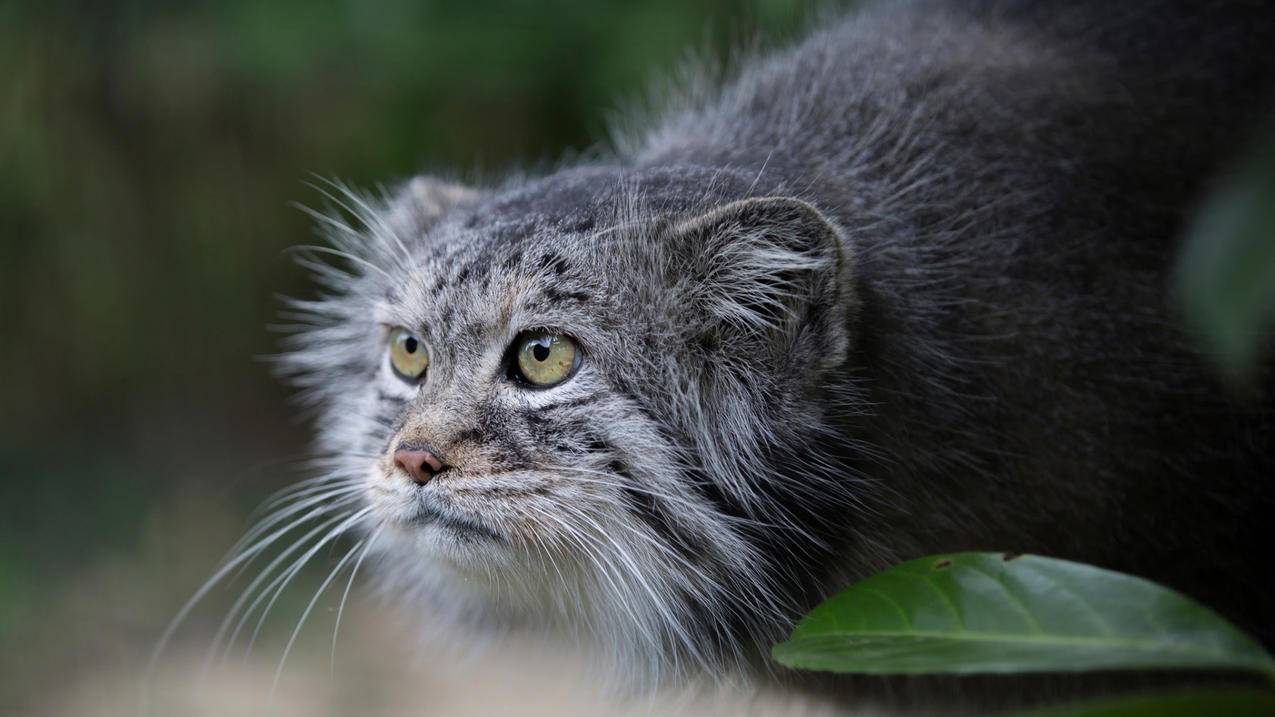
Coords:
1227,267
150,151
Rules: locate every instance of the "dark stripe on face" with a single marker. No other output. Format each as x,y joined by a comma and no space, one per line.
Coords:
557,296
573,403
554,263
710,491
539,490
566,436
386,397
514,260
626,390
494,429
544,425
390,420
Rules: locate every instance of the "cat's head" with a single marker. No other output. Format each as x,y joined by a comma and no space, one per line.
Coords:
595,402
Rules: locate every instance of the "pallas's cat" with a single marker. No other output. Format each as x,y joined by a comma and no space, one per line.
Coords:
902,288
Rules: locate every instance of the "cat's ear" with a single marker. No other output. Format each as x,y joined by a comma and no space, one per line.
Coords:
772,277
416,204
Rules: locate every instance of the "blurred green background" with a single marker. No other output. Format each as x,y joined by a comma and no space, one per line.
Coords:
148,155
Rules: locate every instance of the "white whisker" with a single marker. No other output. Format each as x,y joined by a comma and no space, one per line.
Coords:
306,613
345,595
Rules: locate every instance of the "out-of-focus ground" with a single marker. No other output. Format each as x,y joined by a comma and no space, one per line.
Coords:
148,156
87,661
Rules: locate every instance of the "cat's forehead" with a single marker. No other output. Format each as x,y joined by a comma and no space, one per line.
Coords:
508,261
544,251
523,223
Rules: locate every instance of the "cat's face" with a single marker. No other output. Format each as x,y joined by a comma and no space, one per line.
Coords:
558,408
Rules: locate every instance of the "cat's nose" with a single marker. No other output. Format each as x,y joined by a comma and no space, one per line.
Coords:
419,463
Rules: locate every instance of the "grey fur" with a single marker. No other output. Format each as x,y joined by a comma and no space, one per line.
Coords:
901,289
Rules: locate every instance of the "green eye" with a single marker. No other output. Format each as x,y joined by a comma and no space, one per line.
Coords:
544,359
408,356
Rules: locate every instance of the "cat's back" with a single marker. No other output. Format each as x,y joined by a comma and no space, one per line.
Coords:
994,90
1013,179
1000,168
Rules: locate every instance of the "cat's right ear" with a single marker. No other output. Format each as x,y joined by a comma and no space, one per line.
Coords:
768,278
418,203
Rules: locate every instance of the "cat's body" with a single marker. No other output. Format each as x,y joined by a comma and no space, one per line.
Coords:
904,289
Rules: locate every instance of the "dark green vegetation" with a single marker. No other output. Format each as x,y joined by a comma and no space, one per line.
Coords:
978,613
984,612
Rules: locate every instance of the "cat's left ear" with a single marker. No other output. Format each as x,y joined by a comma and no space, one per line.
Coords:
418,203
772,276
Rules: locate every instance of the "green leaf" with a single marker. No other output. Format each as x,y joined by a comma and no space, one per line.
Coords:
1202,703
1227,267
986,612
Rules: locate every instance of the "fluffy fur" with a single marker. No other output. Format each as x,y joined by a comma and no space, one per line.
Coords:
900,289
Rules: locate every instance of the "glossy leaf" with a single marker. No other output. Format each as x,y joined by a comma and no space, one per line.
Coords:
986,612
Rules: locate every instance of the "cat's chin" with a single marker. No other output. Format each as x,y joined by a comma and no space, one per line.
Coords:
465,550
422,527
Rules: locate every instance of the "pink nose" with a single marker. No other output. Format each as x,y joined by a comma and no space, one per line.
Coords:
419,463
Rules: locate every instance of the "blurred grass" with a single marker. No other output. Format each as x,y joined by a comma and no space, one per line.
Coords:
149,153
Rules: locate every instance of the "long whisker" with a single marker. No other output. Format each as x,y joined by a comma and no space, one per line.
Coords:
345,494
292,571
261,576
303,248
345,595
306,613
367,215
231,565
611,575
300,487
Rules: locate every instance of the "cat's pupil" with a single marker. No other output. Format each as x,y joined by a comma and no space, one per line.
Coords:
410,345
540,351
